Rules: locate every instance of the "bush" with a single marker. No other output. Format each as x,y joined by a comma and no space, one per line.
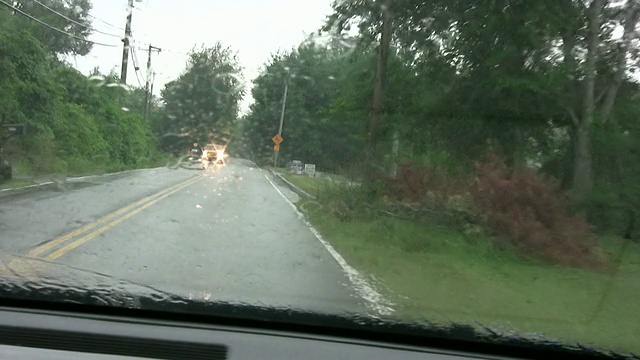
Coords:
424,184
527,211
346,203
430,194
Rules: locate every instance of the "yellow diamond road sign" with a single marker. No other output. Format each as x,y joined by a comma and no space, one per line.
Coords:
277,139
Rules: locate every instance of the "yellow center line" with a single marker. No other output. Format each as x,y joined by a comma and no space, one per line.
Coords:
65,249
49,245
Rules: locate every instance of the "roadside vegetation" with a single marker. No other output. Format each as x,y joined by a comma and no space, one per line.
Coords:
485,157
78,124
73,123
435,266
495,152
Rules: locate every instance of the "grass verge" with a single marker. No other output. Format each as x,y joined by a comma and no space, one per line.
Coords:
26,173
311,185
15,184
437,274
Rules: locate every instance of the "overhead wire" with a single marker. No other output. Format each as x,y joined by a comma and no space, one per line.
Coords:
134,57
135,67
74,21
175,52
134,53
53,27
165,49
106,23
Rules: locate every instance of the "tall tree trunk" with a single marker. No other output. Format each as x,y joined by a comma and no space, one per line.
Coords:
582,163
378,90
630,21
569,41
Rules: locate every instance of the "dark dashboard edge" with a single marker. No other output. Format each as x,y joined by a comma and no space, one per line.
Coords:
304,329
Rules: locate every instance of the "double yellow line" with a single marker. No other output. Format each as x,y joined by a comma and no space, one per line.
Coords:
119,215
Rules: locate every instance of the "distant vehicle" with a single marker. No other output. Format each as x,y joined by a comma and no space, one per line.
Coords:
195,154
214,153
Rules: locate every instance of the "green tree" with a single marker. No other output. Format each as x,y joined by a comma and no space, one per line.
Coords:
70,16
315,130
202,104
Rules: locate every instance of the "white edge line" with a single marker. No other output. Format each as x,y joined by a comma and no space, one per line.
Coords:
75,179
281,177
26,187
374,299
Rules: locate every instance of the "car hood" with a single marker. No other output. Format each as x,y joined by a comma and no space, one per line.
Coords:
41,281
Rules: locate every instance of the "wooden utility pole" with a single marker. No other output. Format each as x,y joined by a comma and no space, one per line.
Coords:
378,87
148,84
284,105
126,41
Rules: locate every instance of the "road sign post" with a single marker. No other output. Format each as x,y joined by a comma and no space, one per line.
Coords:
277,139
310,169
279,135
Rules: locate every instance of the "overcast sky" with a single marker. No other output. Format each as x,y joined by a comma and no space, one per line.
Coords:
253,28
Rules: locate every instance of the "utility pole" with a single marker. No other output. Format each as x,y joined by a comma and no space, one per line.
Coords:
147,108
148,84
284,104
125,49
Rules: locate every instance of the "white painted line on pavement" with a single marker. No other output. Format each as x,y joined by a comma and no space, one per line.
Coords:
292,185
374,299
76,179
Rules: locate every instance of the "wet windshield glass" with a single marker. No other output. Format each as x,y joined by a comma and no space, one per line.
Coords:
429,162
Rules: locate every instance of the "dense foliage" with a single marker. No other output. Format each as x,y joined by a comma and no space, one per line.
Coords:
548,86
202,104
545,85
77,123
74,123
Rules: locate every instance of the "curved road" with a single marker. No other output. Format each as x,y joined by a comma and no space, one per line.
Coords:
227,233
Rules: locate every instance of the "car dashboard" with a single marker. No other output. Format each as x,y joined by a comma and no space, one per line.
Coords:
35,335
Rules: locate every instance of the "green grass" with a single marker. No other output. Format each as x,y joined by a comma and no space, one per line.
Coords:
15,184
312,185
438,274
77,166
26,173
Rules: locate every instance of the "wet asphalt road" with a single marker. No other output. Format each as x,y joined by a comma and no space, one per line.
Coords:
224,234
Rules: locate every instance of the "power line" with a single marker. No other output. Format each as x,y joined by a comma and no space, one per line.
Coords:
53,27
135,67
134,57
176,52
165,49
106,23
111,25
73,21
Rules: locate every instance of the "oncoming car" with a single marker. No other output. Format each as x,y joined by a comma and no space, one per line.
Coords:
214,153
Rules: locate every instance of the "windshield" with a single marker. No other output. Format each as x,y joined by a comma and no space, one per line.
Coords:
426,162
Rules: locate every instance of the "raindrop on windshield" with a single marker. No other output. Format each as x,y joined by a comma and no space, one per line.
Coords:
228,83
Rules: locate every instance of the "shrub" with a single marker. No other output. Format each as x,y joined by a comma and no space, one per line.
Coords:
423,184
527,211
430,194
